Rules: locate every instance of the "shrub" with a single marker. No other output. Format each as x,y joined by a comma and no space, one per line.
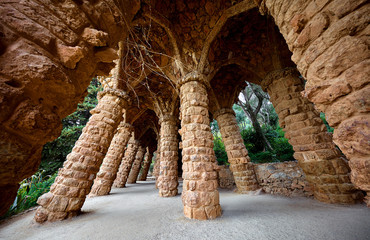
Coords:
29,191
282,150
220,151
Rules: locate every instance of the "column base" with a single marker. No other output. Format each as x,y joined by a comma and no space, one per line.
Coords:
203,213
42,215
99,191
171,193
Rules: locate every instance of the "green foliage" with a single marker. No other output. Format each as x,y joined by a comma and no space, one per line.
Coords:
54,153
330,129
220,152
240,116
283,151
29,191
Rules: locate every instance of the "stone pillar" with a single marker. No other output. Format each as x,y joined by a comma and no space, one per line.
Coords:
200,195
328,40
148,160
168,172
135,169
156,163
125,167
240,166
325,167
108,170
74,180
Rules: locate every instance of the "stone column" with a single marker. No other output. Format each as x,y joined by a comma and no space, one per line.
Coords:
168,172
156,163
200,195
329,42
148,160
324,165
108,170
74,180
240,166
135,169
125,167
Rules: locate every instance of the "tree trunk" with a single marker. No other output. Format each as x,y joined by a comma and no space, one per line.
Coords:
247,108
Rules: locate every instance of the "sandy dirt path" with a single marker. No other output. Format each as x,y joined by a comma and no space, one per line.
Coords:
137,212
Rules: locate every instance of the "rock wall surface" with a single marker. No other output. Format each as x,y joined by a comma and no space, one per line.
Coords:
225,178
49,51
285,178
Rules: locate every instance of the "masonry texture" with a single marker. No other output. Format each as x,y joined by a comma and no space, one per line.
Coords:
237,154
286,178
200,196
74,180
109,168
168,176
146,165
325,167
136,165
225,178
126,163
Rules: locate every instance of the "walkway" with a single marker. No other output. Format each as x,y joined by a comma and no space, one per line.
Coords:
137,212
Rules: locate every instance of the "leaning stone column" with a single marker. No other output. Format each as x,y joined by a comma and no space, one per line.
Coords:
108,170
135,169
125,167
325,167
148,160
168,172
200,195
240,165
74,180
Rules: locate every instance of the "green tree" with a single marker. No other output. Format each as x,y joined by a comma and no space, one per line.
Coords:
251,101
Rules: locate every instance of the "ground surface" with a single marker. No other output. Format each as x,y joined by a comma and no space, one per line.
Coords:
137,212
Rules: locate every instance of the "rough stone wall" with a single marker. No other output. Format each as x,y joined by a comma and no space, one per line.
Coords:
74,180
329,42
225,178
168,173
237,154
200,196
49,50
126,163
135,169
109,168
325,167
285,178
146,165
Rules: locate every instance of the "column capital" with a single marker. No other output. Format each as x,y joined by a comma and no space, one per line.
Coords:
195,77
223,111
168,118
114,92
128,126
277,74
